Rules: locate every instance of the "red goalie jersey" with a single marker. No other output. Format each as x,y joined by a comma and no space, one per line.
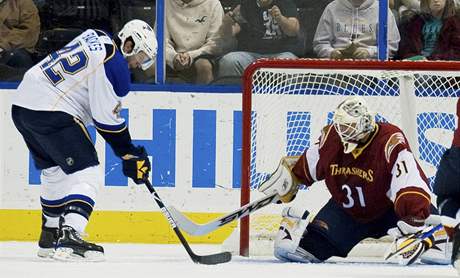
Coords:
380,175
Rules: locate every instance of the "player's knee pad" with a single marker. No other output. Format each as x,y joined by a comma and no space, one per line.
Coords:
53,185
86,181
287,240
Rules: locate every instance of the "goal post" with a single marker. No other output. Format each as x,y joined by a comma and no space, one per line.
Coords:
286,102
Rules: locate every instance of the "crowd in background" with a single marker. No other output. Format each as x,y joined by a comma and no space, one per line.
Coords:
213,41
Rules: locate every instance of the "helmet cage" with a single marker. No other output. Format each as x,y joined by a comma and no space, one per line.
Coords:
353,122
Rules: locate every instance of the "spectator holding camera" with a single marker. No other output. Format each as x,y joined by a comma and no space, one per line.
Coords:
404,9
433,34
348,30
263,29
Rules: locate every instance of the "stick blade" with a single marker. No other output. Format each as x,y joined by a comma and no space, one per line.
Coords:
212,259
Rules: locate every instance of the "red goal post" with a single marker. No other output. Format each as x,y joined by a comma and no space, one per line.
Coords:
294,93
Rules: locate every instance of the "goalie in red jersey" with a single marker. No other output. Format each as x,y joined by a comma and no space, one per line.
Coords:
375,183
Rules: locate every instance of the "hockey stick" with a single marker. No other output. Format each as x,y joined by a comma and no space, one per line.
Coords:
191,228
206,259
414,239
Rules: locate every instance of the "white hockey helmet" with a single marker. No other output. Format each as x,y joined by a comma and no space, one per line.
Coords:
144,40
353,121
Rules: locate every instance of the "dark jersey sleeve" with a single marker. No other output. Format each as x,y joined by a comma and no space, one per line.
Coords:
287,7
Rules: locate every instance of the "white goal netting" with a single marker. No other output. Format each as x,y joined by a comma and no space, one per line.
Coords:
286,104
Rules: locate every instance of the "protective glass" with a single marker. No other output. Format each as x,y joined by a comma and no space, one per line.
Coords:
143,59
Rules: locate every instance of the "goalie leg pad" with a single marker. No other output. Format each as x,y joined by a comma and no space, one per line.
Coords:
440,251
292,229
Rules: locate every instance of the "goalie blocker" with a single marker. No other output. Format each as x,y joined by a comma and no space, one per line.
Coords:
373,179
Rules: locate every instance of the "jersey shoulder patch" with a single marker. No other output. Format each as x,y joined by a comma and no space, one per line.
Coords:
393,141
324,134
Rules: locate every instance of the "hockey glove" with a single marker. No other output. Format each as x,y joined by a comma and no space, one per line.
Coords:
137,165
282,181
404,236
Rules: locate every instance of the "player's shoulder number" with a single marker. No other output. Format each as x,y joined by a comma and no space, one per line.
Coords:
70,59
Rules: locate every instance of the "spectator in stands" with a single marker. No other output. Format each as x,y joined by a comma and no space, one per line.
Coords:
263,29
19,30
404,9
347,29
79,14
191,33
434,34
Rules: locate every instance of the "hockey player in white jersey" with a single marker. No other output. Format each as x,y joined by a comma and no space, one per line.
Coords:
79,85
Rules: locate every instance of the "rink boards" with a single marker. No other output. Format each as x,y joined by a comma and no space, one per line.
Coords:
195,143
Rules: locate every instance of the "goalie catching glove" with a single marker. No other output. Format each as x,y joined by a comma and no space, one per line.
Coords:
136,165
282,181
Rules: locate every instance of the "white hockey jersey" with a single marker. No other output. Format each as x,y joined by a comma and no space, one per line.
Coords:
86,79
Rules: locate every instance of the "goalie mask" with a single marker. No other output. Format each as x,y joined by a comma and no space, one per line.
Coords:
353,122
144,39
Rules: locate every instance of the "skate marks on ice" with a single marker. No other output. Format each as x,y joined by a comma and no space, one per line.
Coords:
19,260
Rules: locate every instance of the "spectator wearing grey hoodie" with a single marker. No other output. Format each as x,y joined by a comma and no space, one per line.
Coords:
348,29
191,38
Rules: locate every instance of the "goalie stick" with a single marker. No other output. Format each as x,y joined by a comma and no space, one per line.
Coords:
414,239
192,228
206,259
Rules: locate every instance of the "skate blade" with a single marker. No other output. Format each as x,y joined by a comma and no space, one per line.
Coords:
67,255
45,253
457,266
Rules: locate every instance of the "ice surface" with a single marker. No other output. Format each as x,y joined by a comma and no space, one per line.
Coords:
18,259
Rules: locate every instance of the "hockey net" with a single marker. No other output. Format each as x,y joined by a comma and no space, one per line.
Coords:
287,102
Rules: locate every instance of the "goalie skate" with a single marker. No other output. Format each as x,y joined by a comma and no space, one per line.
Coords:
71,247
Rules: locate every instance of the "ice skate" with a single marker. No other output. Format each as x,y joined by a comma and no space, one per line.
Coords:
71,247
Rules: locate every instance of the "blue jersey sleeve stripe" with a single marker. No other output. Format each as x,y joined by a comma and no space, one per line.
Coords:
110,128
117,71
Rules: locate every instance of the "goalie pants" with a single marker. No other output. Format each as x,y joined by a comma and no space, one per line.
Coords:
447,183
333,232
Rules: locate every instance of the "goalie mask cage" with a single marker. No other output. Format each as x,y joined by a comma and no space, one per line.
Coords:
287,102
